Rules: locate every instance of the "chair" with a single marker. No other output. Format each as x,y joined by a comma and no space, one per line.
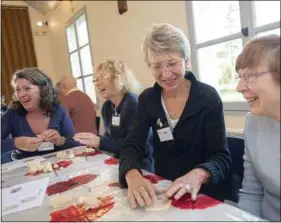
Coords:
98,124
236,148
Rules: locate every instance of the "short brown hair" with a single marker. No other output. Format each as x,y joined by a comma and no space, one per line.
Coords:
261,50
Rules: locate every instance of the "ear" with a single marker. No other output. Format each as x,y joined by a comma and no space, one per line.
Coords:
186,64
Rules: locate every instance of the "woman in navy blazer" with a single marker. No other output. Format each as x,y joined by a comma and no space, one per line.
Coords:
186,116
34,116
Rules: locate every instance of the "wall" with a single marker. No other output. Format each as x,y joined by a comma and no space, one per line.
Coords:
112,36
41,43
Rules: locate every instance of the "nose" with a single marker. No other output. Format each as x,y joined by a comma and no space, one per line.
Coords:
241,86
165,72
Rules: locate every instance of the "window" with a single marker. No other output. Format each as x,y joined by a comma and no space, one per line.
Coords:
80,56
218,30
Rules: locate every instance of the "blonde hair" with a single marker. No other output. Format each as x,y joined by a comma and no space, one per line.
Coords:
121,74
262,50
165,37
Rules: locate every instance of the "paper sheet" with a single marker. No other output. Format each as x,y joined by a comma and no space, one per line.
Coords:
23,196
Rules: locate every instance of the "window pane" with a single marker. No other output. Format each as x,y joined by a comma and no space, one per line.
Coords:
90,88
267,12
80,84
71,38
217,68
86,60
82,30
214,19
274,31
75,66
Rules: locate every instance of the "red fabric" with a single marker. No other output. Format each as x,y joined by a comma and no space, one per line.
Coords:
79,213
202,202
70,184
111,161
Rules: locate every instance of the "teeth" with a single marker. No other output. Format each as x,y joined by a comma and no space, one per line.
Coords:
251,99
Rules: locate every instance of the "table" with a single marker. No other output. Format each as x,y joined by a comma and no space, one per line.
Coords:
121,210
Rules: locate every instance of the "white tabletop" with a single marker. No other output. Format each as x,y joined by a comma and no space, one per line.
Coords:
121,210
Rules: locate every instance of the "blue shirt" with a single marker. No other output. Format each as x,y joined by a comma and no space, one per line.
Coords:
14,124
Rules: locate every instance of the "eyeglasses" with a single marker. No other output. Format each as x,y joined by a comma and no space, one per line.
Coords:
171,65
251,77
100,78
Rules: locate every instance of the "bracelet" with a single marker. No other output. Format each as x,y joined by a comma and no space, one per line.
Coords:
64,141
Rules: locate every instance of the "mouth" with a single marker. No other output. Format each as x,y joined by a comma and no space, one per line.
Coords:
251,99
102,90
25,101
169,80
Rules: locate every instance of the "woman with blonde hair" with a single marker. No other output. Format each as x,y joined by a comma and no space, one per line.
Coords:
258,67
116,83
187,120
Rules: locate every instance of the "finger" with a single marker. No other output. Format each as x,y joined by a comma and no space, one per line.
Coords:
194,192
51,135
180,193
132,199
173,189
151,191
138,197
84,142
145,196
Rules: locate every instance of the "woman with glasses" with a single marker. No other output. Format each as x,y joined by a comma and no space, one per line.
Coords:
258,67
117,85
186,116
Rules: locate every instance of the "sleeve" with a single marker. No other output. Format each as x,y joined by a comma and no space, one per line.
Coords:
218,162
67,131
7,143
251,194
133,149
111,145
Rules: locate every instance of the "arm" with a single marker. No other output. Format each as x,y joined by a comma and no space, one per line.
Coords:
113,145
67,131
132,151
218,161
7,144
251,194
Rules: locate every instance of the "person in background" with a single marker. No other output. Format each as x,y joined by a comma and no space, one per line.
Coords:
59,93
33,117
79,105
258,67
186,116
3,105
116,84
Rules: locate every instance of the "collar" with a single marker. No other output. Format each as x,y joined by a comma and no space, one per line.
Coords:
194,103
72,89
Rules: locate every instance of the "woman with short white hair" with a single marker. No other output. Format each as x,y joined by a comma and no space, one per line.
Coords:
186,117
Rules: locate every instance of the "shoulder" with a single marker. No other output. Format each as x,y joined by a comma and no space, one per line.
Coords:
58,110
12,115
147,93
130,98
208,93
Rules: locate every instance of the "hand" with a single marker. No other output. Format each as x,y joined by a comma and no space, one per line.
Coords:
189,183
30,144
52,135
87,139
140,190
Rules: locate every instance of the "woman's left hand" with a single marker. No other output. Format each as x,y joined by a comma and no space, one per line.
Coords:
52,135
189,183
87,139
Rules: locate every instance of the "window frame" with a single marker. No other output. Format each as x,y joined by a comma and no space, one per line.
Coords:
72,21
247,20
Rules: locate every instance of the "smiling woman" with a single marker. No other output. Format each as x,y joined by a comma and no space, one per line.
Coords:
116,84
34,117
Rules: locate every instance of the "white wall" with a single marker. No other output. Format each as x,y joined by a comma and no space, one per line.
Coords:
112,36
41,43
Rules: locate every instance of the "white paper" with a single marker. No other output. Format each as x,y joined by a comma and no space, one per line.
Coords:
19,163
23,196
46,146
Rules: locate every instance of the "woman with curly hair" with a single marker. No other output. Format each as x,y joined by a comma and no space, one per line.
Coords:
34,116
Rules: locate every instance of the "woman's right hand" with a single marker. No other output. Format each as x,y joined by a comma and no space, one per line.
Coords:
140,190
30,144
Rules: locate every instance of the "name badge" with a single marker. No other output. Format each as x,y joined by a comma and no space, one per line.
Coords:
165,134
115,120
46,146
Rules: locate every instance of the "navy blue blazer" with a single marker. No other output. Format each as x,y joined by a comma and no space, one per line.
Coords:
199,136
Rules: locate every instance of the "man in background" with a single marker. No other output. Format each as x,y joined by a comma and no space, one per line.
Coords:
78,104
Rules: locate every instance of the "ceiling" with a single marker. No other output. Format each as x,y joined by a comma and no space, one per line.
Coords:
44,7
